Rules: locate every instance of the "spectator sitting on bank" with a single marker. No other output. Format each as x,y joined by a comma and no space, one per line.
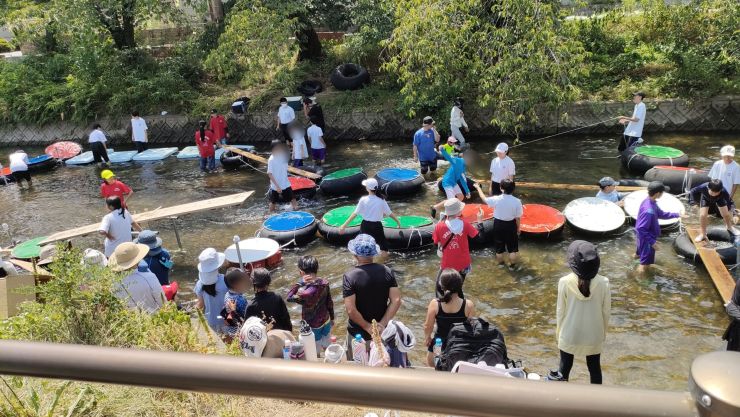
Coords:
266,304
158,259
140,289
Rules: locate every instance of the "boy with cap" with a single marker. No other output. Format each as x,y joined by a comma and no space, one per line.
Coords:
507,222
647,228
425,141
219,127
635,123
210,289
266,304
608,191
140,289
370,291
285,116
712,197
451,237
727,170
158,259
451,146
111,186
372,209
277,170
502,168
457,120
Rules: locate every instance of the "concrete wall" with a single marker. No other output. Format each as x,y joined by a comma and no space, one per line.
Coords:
720,114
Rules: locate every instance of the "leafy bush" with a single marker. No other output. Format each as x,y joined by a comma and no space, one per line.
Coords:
6,46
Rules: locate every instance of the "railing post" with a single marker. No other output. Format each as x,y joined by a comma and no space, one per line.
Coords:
714,384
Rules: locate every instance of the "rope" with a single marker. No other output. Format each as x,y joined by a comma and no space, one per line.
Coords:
557,134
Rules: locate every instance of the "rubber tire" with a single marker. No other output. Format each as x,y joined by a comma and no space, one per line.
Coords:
313,168
231,162
471,186
640,164
349,77
331,234
302,236
674,179
304,194
632,182
44,166
399,189
343,186
685,248
310,87
403,240
485,234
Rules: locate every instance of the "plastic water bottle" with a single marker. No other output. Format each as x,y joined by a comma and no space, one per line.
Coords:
359,351
306,337
334,352
437,347
286,350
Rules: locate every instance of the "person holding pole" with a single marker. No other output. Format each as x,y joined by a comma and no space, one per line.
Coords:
635,123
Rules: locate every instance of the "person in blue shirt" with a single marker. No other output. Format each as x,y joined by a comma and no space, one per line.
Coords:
454,182
608,191
425,141
158,259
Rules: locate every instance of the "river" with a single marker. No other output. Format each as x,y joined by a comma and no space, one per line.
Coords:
659,323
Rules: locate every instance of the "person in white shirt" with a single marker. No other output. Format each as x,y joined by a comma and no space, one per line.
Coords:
140,289
139,132
300,151
727,170
277,170
97,141
457,121
285,116
373,209
633,131
507,222
318,145
116,225
19,167
502,168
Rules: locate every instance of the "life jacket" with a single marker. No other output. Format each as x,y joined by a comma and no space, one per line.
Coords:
473,340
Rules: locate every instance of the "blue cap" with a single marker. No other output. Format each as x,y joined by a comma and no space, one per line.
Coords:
364,246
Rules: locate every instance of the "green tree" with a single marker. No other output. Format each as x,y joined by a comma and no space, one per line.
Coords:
511,56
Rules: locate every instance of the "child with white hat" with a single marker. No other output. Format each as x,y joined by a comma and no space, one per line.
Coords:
372,209
727,170
502,168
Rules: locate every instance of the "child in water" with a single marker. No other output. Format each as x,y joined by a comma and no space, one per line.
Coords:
608,191
647,227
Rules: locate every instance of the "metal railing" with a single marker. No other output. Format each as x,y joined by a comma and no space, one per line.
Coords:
714,383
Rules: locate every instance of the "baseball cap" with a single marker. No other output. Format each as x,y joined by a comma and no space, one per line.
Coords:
655,187
107,174
428,120
253,337
371,184
727,150
502,147
607,181
363,245
452,139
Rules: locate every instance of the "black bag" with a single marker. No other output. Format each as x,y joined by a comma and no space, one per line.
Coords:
474,340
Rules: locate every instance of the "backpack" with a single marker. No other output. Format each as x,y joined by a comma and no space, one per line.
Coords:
473,340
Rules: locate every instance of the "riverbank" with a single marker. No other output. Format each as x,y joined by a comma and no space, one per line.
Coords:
719,114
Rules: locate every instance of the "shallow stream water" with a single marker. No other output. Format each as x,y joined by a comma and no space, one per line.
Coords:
659,323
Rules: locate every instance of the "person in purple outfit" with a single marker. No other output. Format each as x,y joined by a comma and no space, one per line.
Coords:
647,227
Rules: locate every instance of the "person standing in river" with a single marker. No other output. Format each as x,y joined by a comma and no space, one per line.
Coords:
219,126
425,141
285,116
139,132
635,123
207,144
647,227
97,141
457,121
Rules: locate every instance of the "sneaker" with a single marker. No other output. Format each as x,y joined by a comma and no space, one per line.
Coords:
702,237
555,376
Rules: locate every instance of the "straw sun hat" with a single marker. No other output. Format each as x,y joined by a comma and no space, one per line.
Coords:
127,255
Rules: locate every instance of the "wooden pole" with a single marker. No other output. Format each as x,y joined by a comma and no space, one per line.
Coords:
262,160
570,187
721,277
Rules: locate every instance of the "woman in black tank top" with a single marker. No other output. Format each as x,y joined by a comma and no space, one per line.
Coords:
446,311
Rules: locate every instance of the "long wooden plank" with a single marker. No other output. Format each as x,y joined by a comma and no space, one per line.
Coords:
723,281
28,266
262,160
572,187
179,210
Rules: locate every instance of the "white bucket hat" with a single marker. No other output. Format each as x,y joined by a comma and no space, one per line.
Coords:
209,260
727,150
94,257
453,207
502,147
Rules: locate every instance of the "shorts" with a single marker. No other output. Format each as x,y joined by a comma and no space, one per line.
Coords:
285,196
451,192
375,229
496,188
428,166
22,175
646,252
318,154
505,237
297,163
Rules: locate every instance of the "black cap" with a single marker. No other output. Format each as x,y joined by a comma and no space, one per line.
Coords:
639,93
428,120
655,187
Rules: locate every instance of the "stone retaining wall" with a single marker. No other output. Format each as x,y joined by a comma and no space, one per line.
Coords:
720,114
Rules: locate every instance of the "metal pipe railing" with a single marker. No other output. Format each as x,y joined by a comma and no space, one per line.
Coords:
403,389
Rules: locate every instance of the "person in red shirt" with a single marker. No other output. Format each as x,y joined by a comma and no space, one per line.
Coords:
112,187
207,144
219,126
451,237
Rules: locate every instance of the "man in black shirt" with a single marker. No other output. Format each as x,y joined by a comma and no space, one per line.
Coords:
370,291
266,304
711,197
314,113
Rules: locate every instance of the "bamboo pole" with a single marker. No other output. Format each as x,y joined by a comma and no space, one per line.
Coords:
262,160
